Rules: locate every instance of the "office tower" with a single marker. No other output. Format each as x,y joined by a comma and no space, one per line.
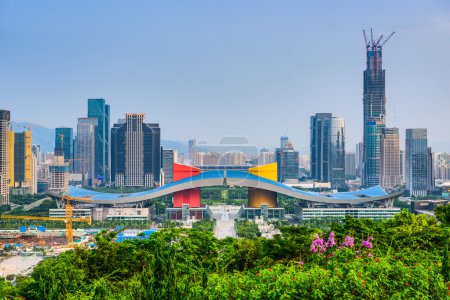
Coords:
320,140
416,158
359,159
64,144
350,165
168,158
430,181
22,160
97,108
85,149
328,149
374,102
283,141
337,152
135,152
402,167
4,156
287,163
390,159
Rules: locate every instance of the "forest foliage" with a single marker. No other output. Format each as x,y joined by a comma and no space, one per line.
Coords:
402,258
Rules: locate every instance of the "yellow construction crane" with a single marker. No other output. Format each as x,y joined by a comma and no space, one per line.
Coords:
69,219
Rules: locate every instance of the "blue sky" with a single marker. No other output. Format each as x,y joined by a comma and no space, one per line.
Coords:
208,69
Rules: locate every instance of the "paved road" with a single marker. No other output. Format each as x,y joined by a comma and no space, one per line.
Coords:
225,216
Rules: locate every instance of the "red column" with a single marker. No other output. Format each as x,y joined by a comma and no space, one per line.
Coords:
191,196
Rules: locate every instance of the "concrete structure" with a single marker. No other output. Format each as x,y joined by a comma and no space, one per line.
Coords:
374,103
378,213
390,159
21,162
76,212
328,149
416,161
4,156
97,108
64,144
85,159
58,176
135,152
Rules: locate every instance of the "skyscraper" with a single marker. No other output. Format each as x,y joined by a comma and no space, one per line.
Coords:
64,144
97,108
85,149
4,156
416,159
374,102
350,165
22,160
390,159
287,163
135,152
328,149
168,157
359,159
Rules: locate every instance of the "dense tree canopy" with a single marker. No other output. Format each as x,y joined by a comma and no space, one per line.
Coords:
402,258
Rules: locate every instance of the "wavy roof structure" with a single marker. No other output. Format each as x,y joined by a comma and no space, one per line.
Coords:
231,178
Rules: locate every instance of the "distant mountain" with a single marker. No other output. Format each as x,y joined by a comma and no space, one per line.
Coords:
179,146
40,135
45,137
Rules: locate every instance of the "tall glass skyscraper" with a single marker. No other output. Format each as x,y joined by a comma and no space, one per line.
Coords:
328,149
374,101
97,108
135,152
417,160
287,163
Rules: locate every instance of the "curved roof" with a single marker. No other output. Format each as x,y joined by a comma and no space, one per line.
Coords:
231,178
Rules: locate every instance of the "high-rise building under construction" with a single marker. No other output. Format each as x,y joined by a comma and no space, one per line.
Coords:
374,101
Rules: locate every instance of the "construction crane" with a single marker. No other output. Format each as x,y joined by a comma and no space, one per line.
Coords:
379,43
68,219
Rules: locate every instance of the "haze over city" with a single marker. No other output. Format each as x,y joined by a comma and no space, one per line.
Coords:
252,69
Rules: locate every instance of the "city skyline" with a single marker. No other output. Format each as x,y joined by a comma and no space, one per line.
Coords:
164,77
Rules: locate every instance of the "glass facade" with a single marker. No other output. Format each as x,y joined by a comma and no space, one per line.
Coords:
337,152
97,108
416,157
168,158
374,101
288,164
64,143
135,152
328,149
320,147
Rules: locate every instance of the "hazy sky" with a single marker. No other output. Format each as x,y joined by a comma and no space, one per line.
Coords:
209,69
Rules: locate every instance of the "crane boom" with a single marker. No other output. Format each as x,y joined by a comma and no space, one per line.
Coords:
387,39
37,218
378,41
365,38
